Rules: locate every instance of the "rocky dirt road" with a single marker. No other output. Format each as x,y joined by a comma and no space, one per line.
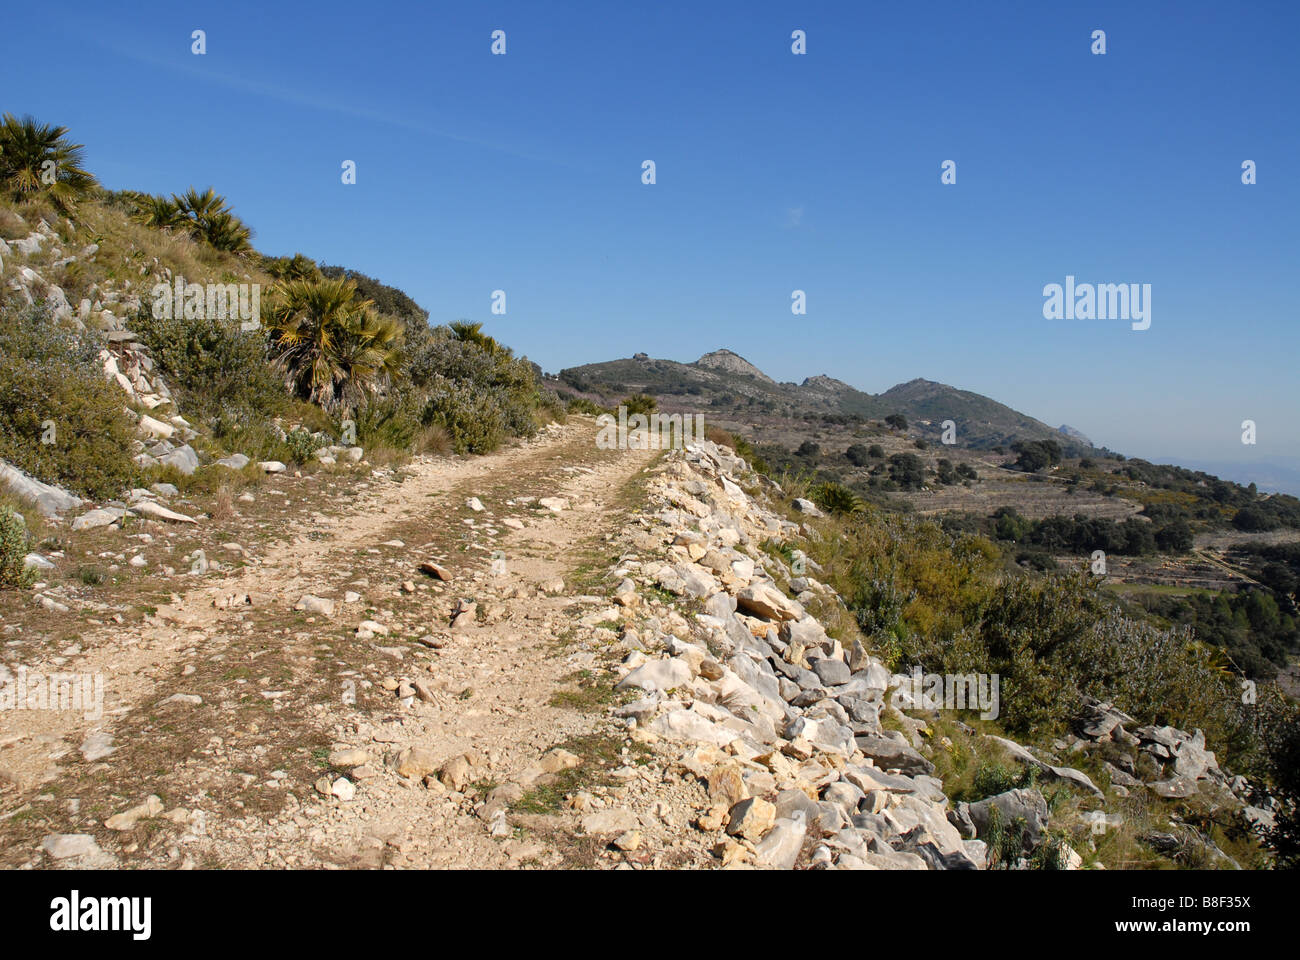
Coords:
330,703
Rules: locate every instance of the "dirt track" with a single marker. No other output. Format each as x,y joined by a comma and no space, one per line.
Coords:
281,689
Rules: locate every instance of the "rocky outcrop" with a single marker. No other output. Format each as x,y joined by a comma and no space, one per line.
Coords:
732,363
1182,762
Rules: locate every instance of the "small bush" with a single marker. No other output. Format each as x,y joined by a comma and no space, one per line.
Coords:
581,405
639,403
213,368
51,375
1050,854
1036,560
473,417
475,390
835,498
256,439
391,422
433,440
992,779
1005,841
301,444
12,226
13,550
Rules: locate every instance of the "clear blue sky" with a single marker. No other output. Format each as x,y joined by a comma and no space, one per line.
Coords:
775,172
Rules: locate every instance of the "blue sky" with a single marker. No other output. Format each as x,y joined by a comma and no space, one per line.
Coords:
775,172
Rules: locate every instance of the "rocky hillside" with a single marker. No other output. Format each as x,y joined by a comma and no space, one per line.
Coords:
112,301
693,695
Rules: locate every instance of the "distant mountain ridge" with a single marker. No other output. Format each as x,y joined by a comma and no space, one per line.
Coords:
727,386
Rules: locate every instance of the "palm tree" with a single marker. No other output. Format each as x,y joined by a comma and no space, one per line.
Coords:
332,347
205,215
371,354
36,158
159,212
466,332
298,267
225,231
210,219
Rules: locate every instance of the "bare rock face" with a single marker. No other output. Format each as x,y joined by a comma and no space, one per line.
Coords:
730,362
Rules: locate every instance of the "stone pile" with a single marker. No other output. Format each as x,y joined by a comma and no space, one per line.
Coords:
780,720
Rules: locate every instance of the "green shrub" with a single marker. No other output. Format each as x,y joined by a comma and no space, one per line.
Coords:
213,368
1037,560
51,375
476,390
835,498
473,416
392,421
992,778
301,444
942,600
1005,841
256,439
13,550
584,406
1051,853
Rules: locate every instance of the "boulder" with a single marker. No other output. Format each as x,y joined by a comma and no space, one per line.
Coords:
751,818
102,517
658,675
779,850
833,673
765,600
891,755
615,820
807,507
49,499
147,508
183,458
1013,807
1068,774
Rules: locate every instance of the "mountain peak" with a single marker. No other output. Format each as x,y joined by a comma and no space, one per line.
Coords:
1074,434
824,382
732,362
